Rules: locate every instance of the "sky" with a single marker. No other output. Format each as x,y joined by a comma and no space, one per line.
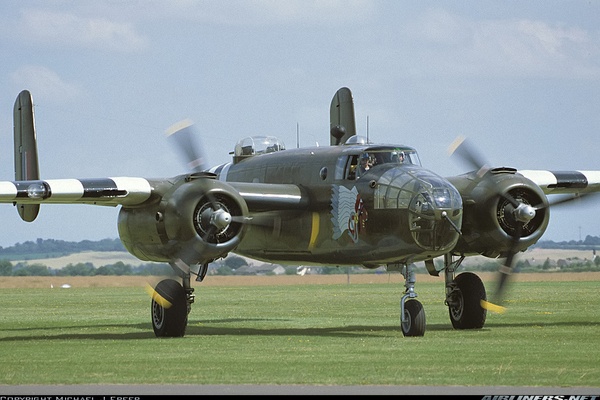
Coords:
520,79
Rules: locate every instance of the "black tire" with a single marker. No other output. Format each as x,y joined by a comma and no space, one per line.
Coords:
170,321
466,312
414,315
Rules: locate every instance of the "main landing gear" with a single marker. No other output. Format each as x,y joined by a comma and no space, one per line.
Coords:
172,302
169,309
464,293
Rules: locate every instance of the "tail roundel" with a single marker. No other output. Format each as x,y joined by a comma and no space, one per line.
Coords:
26,155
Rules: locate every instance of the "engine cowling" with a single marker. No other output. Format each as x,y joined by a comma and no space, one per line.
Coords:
196,219
490,219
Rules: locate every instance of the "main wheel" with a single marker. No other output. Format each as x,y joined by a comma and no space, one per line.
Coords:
414,319
465,306
169,319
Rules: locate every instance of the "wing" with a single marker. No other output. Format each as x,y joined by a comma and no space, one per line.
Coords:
28,191
564,182
104,191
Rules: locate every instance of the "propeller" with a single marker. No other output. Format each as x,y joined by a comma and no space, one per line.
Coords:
186,141
519,211
469,155
214,217
516,208
185,138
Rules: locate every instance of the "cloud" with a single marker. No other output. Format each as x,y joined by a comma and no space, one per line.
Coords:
65,28
505,47
271,12
45,83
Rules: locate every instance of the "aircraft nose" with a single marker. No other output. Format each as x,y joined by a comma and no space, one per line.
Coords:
433,204
435,216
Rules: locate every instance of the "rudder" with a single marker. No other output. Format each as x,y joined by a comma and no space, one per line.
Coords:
342,123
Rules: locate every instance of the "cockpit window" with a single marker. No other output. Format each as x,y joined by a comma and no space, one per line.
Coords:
354,166
395,156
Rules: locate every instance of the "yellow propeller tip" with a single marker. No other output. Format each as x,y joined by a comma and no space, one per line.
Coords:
493,307
454,145
157,297
176,127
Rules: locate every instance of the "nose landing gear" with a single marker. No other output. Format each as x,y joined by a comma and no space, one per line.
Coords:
412,314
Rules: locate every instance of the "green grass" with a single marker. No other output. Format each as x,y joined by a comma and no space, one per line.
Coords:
311,334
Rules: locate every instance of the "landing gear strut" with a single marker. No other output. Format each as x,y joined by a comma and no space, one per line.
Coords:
412,315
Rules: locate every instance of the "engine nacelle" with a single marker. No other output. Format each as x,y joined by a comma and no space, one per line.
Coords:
489,221
196,219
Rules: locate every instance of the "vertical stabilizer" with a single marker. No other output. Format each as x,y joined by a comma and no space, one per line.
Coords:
26,156
341,116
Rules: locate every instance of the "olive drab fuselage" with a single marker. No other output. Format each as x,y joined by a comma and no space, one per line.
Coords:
391,213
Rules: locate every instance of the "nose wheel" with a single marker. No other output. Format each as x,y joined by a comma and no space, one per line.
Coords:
412,314
412,319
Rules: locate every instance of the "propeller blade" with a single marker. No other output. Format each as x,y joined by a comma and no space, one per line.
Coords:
521,212
580,198
464,149
157,297
504,273
187,141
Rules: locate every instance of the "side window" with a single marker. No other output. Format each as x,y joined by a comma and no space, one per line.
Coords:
340,167
345,167
351,167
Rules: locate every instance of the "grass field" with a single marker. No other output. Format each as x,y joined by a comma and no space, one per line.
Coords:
290,330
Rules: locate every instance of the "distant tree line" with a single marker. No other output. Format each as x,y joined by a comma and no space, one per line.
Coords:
84,269
548,265
42,247
589,243
48,248
233,265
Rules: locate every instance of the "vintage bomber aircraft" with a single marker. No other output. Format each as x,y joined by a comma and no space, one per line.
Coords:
349,203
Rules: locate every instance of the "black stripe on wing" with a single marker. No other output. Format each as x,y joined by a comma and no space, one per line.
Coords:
569,180
94,188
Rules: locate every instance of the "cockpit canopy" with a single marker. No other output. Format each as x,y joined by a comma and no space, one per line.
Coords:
254,145
394,155
356,139
354,165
